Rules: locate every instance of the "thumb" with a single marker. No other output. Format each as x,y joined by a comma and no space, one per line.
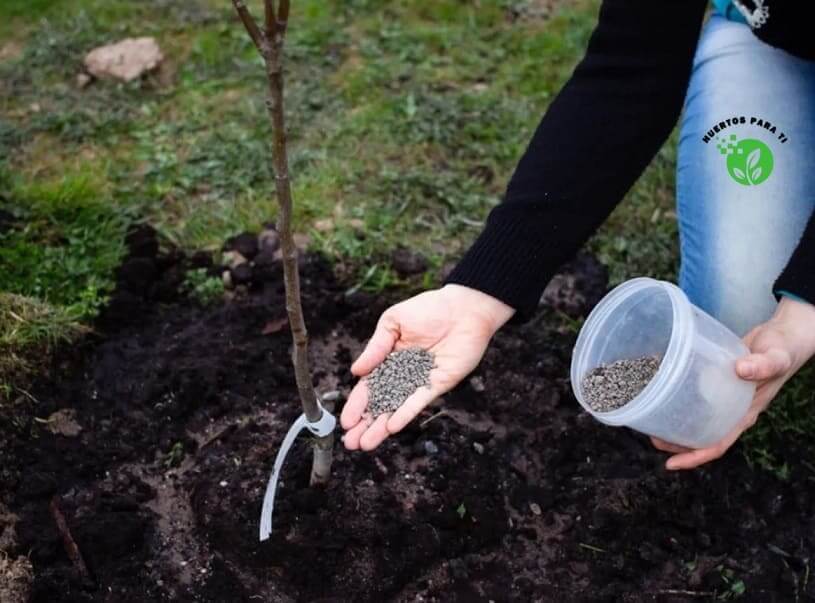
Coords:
379,346
764,365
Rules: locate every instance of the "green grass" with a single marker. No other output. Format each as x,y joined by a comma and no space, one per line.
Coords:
782,436
29,330
203,288
63,245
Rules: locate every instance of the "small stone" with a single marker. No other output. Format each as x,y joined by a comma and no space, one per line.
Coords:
246,244
407,262
612,386
242,274
477,383
324,225
535,508
301,241
226,277
430,447
63,422
267,267
223,483
478,447
125,60
332,396
230,259
269,239
82,80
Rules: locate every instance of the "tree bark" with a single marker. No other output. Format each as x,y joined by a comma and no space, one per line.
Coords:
270,45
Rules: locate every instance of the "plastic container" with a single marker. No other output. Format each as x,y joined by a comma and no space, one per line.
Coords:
695,398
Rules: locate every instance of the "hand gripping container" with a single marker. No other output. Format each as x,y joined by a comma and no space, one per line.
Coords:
695,398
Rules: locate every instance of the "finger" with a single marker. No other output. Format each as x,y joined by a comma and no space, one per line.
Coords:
694,458
411,408
748,339
353,435
375,434
379,346
764,365
668,447
764,395
691,460
355,406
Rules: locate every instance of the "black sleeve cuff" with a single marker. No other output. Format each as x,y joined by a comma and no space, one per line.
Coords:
798,278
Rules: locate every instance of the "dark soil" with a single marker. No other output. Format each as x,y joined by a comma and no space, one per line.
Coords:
511,494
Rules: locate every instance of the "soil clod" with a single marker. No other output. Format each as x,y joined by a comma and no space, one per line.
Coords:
397,378
612,386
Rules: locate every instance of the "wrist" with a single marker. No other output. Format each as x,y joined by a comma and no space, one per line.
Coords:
490,309
797,318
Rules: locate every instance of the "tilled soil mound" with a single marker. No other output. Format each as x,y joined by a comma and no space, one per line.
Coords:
505,492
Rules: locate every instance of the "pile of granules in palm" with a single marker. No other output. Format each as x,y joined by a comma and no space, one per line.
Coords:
397,378
612,386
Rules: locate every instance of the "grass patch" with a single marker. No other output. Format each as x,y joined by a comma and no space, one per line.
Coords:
61,243
782,436
641,237
29,330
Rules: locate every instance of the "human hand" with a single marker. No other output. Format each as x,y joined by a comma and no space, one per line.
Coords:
454,323
778,349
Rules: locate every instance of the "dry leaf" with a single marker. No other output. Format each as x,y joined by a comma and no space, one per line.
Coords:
274,326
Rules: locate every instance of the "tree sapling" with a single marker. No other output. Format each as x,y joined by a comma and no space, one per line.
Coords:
269,41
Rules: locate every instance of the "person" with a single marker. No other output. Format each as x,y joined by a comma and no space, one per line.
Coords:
745,196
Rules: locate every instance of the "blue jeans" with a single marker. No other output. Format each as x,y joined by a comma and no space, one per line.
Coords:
741,213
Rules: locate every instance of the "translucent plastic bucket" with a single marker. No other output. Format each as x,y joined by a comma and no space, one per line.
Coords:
695,398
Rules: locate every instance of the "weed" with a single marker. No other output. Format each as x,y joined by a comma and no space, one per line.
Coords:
174,457
202,287
735,586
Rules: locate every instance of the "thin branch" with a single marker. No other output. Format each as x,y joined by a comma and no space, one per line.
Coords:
68,540
252,27
441,413
283,16
271,18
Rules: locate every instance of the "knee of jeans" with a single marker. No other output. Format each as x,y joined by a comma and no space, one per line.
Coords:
742,303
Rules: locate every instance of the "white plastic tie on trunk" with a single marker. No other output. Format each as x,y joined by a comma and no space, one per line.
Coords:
320,428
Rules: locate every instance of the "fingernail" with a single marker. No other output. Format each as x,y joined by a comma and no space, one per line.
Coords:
748,369
671,465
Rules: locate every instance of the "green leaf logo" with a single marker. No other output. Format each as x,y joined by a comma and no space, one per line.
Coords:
749,161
